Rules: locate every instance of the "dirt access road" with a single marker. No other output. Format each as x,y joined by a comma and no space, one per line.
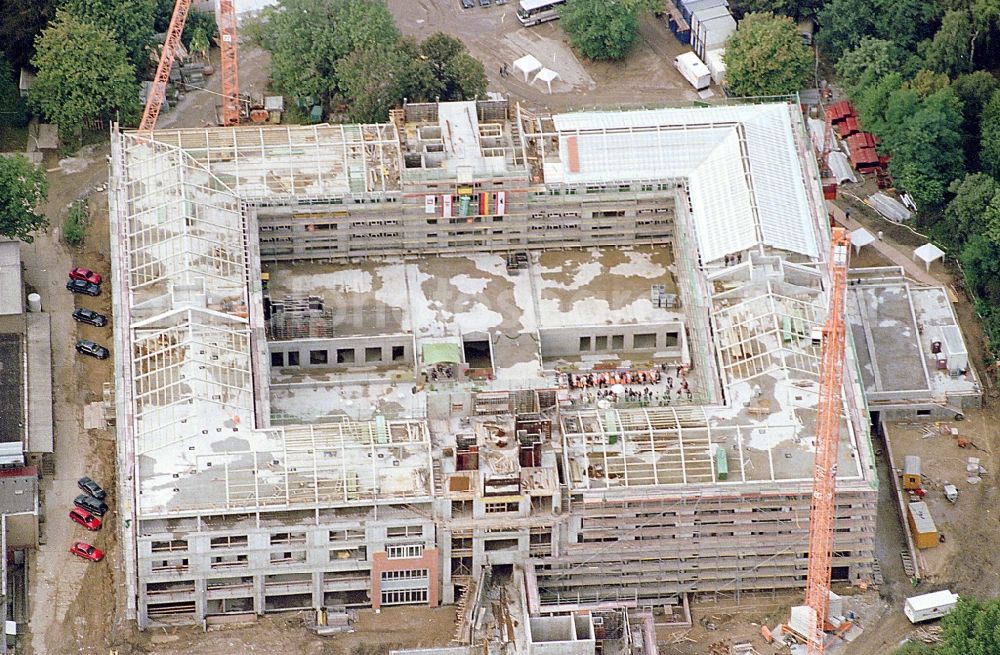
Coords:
494,36
73,604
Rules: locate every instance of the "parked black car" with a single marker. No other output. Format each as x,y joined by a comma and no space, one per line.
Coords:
468,4
90,348
91,504
90,317
92,488
82,286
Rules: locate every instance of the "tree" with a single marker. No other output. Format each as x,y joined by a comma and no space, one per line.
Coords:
373,81
199,43
130,23
926,82
974,90
989,150
794,8
980,260
871,60
306,39
199,22
13,111
843,24
22,21
949,52
963,216
872,102
451,73
602,29
906,22
766,57
991,220
82,73
927,145
23,188
973,627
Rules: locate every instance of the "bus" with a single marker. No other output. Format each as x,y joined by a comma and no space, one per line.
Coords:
533,12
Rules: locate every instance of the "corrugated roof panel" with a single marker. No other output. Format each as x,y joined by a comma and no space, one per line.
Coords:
778,184
721,206
689,139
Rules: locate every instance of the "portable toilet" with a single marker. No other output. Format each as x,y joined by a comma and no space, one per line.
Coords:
911,473
721,463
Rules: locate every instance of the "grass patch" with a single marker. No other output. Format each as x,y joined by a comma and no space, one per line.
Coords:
75,225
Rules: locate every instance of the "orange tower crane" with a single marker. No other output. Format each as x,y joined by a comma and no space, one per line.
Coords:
823,506
158,92
230,78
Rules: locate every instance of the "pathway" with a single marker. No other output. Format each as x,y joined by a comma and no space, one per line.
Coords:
891,252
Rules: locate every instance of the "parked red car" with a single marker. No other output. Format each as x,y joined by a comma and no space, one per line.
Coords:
81,273
86,551
85,518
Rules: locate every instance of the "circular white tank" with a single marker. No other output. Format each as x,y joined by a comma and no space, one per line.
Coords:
34,302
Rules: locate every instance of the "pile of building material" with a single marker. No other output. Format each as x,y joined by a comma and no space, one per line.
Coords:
892,209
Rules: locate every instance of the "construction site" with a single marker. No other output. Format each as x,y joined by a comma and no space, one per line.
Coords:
565,370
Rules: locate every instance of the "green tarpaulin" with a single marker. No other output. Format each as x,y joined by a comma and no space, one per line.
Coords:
436,353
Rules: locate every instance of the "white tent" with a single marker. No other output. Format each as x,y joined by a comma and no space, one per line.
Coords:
928,253
527,65
546,75
861,237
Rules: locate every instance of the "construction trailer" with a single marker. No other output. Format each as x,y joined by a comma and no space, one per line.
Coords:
925,533
929,606
911,473
693,70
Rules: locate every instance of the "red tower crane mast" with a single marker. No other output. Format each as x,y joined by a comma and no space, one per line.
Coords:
230,78
158,92
823,505
228,47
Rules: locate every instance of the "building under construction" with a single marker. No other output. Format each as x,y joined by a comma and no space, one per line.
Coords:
358,365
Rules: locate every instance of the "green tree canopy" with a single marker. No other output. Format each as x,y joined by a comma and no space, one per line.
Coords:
926,143
844,23
23,188
797,9
447,71
950,50
13,111
370,97
602,29
973,627
373,81
872,102
307,39
199,22
766,57
989,153
963,216
82,73
926,82
974,90
871,60
130,23
21,22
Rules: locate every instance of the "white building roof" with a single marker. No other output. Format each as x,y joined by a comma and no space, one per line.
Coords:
11,289
931,600
741,164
